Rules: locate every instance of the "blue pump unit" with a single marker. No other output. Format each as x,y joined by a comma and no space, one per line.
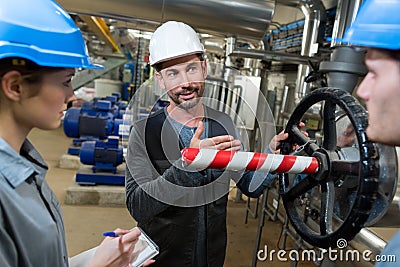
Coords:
95,120
105,158
103,155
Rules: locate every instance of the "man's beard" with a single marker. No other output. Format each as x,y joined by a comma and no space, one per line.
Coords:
186,104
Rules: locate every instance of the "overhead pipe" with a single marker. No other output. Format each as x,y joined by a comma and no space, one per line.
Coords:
315,19
246,18
272,56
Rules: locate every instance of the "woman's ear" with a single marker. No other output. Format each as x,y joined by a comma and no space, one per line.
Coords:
11,85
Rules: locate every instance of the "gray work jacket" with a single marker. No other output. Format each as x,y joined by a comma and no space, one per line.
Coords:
31,224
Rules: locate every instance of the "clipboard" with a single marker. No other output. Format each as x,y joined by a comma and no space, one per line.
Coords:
145,249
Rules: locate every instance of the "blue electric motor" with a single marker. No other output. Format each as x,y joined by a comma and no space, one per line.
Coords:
118,106
102,155
93,119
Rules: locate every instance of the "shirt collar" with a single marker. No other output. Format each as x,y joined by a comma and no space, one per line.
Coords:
16,168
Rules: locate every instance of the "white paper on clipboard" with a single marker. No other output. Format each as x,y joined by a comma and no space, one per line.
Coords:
145,249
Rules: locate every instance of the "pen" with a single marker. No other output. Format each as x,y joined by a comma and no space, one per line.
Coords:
111,234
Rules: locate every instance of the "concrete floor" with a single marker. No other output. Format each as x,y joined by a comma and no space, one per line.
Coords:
85,224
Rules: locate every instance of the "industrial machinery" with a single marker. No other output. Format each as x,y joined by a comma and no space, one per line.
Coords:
96,130
355,175
95,120
105,156
351,188
356,181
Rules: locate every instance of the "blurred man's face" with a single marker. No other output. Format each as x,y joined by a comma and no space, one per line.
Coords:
381,91
346,136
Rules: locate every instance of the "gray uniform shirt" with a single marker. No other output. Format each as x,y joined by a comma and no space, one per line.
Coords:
31,224
185,135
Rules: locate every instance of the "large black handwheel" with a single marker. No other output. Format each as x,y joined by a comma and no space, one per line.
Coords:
312,201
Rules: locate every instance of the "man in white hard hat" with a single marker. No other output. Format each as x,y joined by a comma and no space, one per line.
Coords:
377,28
183,210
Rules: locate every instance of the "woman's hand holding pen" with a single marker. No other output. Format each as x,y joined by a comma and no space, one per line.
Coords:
117,251
222,142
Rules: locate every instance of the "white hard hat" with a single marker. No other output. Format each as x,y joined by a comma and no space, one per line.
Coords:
173,39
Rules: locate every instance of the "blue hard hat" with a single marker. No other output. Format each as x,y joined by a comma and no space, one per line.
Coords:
41,31
377,25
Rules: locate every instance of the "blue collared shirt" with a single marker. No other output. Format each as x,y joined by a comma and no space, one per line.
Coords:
31,224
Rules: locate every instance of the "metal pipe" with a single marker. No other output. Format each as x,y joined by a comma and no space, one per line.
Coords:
344,68
370,240
346,13
230,45
253,66
228,73
346,64
214,45
315,19
246,18
272,56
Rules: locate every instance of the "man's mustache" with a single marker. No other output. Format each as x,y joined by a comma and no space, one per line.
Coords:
189,89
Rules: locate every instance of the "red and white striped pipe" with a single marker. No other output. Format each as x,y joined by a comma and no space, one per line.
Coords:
239,161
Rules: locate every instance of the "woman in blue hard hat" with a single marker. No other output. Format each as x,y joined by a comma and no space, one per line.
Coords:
377,27
40,47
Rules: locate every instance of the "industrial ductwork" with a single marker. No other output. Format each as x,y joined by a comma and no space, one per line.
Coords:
315,20
242,18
